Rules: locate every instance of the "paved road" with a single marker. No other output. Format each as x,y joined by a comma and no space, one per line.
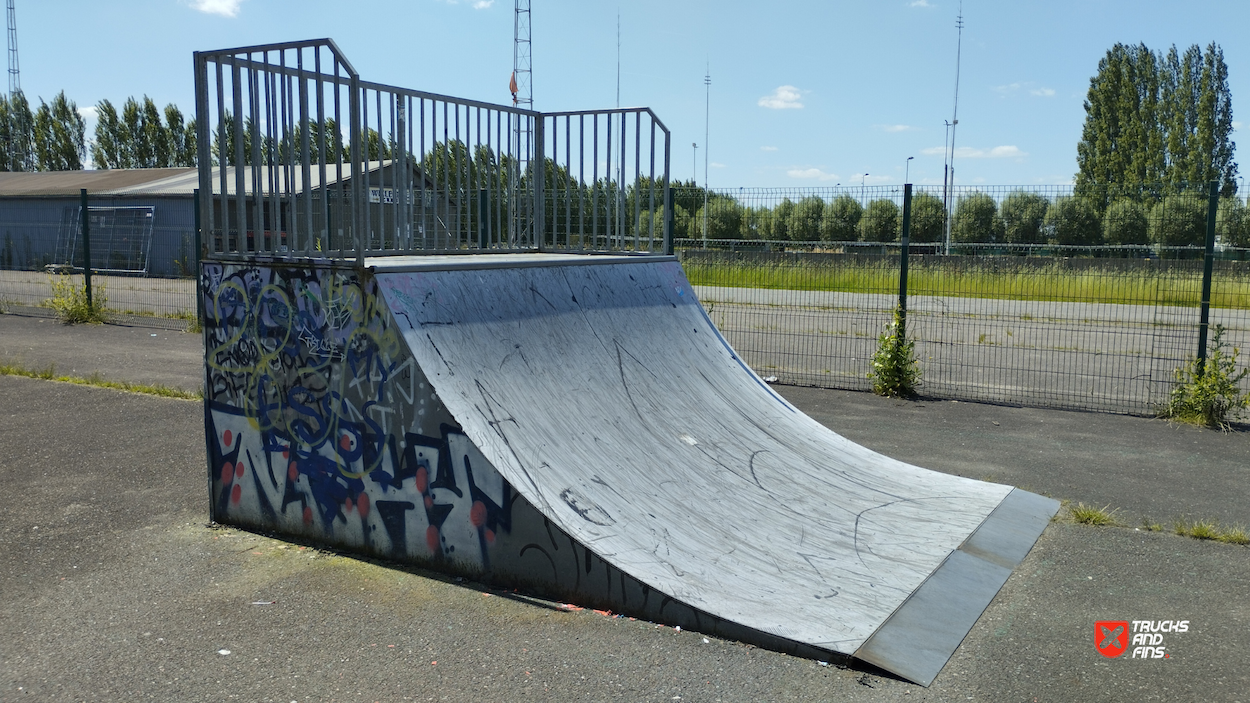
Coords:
117,590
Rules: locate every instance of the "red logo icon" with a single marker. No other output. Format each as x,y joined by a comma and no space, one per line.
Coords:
1111,637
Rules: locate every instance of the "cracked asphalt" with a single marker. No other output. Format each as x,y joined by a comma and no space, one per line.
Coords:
115,589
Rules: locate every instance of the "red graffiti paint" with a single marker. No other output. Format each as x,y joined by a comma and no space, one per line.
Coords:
423,479
227,473
345,442
238,470
490,536
347,505
286,454
292,472
236,493
362,504
307,517
431,538
429,502
226,437
477,514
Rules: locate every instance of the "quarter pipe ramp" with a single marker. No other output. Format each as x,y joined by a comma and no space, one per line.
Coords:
578,425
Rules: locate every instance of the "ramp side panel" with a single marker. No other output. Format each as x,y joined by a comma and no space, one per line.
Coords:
606,397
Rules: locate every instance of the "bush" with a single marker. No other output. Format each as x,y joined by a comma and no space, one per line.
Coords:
1178,221
1125,222
895,370
976,220
928,218
69,301
1023,215
840,222
1208,394
1073,220
881,222
724,219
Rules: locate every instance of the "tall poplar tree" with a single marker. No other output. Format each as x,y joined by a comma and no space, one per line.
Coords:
1154,118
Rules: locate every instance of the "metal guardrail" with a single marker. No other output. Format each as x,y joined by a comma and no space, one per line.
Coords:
300,156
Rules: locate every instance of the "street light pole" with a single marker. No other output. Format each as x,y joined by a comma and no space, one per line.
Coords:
863,189
707,114
907,170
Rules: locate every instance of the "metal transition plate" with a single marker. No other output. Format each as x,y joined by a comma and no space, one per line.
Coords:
603,393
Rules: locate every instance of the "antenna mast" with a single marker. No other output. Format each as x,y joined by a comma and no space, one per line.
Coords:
15,81
522,76
950,187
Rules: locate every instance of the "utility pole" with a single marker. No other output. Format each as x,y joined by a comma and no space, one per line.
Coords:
959,25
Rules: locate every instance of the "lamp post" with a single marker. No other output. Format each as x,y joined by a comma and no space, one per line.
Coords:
907,169
863,189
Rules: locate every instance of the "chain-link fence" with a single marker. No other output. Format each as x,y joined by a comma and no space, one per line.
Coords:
142,254
1023,311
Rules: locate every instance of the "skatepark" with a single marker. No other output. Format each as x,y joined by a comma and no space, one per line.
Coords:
429,462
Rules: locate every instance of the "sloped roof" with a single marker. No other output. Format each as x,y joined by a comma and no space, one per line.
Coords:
102,181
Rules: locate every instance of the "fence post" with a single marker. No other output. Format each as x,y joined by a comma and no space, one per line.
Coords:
86,247
538,166
1208,258
199,293
902,265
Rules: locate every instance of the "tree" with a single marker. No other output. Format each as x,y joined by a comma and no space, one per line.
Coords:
1179,220
1152,118
1023,214
724,219
1073,220
17,134
976,220
782,217
840,220
138,137
805,219
59,135
1125,222
880,222
928,218
1232,223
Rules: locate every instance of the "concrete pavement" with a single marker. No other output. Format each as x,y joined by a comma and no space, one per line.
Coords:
116,590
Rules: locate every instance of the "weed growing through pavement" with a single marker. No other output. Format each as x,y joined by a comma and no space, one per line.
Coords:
49,374
895,370
1090,515
69,301
1209,394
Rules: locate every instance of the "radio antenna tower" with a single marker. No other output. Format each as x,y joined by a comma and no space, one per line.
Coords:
15,81
522,76
950,181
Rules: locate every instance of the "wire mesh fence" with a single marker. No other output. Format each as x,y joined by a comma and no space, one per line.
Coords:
142,254
1037,317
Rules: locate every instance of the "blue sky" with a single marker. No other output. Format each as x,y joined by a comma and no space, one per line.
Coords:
803,93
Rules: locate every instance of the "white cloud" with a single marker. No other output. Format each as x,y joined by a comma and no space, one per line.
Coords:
783,98
895,127
811,173
225,8
483,4
716,165
773,148
1043,92
919,3
967,152
1236,124
87,113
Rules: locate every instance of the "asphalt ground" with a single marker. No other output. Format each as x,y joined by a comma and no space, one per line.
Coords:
116,589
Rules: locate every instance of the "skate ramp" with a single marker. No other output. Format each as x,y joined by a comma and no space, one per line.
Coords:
602,393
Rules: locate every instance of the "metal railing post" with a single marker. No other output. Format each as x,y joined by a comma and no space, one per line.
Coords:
1208,260
86,248
538,163
199,242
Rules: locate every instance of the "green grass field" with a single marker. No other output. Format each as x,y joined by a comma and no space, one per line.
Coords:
1052,283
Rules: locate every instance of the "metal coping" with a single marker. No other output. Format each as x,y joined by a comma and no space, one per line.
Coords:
404,264
918,638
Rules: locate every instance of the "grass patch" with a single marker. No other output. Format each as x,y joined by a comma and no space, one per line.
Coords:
988,280
1083,514
49,374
